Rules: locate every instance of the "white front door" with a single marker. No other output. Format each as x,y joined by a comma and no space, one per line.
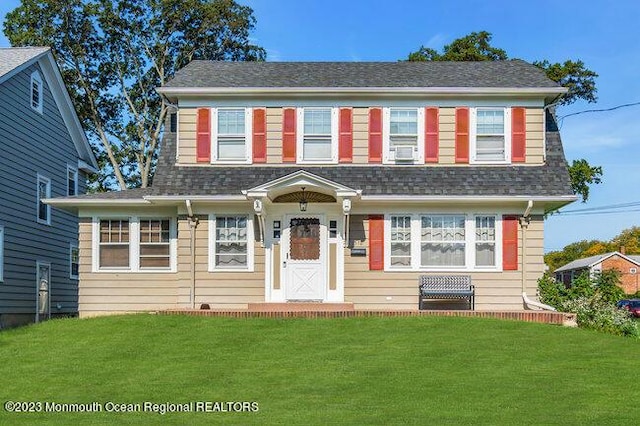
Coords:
304,253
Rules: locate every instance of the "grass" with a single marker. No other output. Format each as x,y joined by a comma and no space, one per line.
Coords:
414,370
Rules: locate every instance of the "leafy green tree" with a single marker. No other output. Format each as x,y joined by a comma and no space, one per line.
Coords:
569,253
579,80
114,53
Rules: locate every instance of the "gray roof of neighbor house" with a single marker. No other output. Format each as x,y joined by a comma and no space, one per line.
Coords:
513,73
548,180
12,57
587,262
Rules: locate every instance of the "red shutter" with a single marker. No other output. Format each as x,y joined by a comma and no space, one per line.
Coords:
345,143
462,135
259,135
375,135
510,243
431,130
289,135
518,135
376,243
203,136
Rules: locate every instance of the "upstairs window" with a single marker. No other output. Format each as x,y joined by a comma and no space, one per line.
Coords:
404,140
43,192
491,127
318,137
36,92
231,135
72,181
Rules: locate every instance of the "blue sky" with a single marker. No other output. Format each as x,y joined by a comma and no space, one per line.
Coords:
603,34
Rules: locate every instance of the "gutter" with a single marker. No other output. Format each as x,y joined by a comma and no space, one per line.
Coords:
193,223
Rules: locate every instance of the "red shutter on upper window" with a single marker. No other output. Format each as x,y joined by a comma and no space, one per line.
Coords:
259,135
345,142
203,135
289,135
375,135
431,134
510,243
376,242
462,135
518,135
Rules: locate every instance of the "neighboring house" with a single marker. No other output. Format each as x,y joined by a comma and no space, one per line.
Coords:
43,153
627,265
333,182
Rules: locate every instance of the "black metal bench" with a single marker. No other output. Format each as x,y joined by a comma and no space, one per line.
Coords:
446,287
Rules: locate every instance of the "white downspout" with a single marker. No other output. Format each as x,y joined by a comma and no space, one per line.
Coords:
524,225
193,222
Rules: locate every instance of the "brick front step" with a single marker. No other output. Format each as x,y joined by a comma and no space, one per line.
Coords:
300,307
545,317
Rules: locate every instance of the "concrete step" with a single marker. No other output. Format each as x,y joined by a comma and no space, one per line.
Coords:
300,307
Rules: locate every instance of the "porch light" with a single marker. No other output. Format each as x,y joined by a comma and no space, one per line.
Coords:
303,202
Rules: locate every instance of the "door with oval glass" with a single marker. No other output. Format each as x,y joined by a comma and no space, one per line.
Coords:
304,253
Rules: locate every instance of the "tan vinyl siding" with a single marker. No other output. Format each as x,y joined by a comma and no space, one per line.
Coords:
535,135
447,129
360,135
274,135
187,135
494,290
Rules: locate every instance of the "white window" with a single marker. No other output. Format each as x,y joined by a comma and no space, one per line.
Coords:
231,135
74,261
135,244
72,181
443,241
446,242
36,92
317,140
400,241
491,135
1,253
485,241
43,191
231,243
403,138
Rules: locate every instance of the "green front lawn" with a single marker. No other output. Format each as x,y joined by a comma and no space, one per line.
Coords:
412,370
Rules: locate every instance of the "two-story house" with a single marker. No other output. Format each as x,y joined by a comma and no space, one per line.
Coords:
43,153
333,182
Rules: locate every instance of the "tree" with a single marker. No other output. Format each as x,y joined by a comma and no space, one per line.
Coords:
114,53
573,75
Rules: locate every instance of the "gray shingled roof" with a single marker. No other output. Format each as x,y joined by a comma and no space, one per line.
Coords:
13,57
551,179
512,73
588,261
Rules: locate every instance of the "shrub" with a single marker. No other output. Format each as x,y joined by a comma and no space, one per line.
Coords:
597,314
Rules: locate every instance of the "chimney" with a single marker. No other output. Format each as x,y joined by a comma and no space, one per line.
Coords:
622,250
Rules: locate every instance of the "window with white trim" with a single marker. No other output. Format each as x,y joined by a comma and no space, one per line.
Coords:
72,181
491,135
317,135
231,242
1,253
36,94
400,241
404,134
485,241
114,243
232,135
443,241
155,249
74,261
43,191
135,244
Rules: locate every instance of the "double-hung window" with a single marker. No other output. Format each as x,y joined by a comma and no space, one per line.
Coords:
232,135
72,181
443,241
404,130
114,243
155,250
43,191
491,141
36,92
400,253
231,242
74,261
485,241
317,141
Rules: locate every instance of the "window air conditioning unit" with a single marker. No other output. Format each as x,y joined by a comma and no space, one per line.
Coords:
405,153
